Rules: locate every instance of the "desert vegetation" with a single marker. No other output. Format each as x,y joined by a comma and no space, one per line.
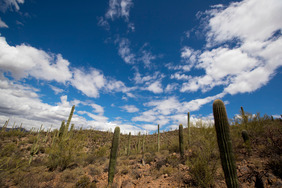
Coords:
238,152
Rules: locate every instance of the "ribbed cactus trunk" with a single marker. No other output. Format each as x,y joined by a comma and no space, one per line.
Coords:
224,144
113,156
181,142
158,138
188,125
245,118
62,129
128,148
143,150
69,120
139,143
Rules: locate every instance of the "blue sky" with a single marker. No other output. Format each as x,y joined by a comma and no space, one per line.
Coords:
136,64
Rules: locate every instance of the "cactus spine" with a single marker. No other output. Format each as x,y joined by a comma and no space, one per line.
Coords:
128,150
113,156
224,144
181,142
188,125
158,138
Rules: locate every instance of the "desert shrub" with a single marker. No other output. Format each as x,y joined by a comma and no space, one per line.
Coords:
65,150
83,182
275,164
204,160
149,158
94,170
172,160
68,176
169,170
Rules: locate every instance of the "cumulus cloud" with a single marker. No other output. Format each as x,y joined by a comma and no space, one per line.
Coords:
88,82
155,87
171,111
23,61
10,4
19,101
251,33
119,8
56,89
248,20
130,108
125,52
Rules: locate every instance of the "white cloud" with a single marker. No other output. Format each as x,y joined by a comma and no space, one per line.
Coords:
179,76
119,8
23,61
147,58
250,55
125,52
170,111
155,87
10,4
3,24
88,82
18,101
171,87
97,108
254,20
56,89
103,23
130,108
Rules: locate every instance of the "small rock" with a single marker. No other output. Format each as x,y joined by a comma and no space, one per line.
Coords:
166,175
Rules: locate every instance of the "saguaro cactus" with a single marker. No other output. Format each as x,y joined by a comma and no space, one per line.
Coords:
224,144
128,149
158,138
69,120
188,125
244,117
113,156
181,142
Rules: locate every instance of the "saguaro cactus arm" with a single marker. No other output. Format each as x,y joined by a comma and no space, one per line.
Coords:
224,144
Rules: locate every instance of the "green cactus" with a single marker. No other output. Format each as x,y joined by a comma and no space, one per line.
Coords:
188,125
143,150
34,148
224,144
62,129
159,145
245,136
113,156
181,142
244,116
128,148
139,143
69,120
247,142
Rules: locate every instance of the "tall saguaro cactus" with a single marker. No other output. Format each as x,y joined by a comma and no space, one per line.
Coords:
158,138
128,149
188,125
113,156
70,116
244,116
224,144
181,142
